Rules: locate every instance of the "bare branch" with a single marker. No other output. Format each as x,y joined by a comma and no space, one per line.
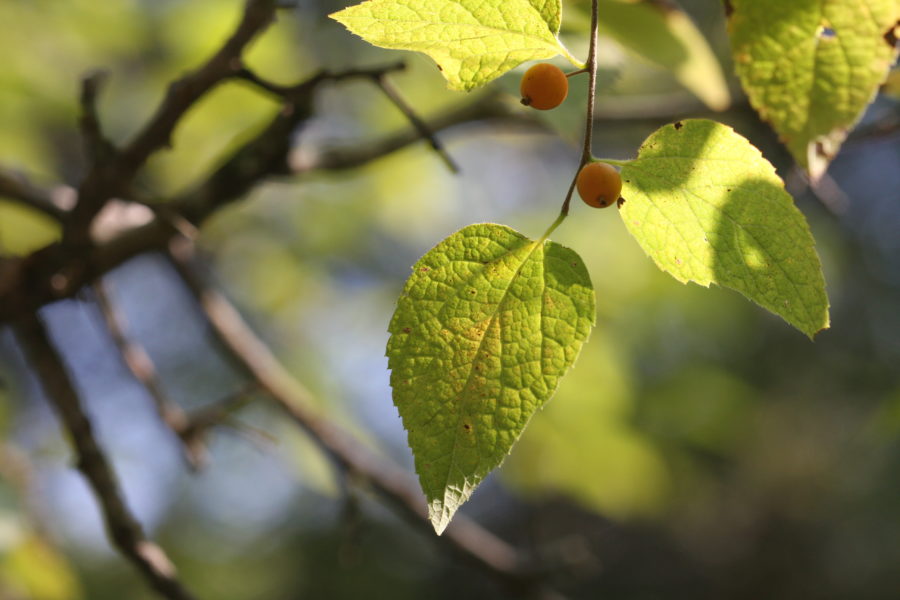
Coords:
338,159
266,155
99,149
253,357
113,177
19,188
424,131
54,273
142,368
122,528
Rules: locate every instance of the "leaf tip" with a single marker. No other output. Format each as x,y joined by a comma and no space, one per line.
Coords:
440,515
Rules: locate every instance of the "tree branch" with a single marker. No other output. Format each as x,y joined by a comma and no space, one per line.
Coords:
267,154
122,528
142,368
338,159
421,127
253,357
113,177
55,272
586,150
18,188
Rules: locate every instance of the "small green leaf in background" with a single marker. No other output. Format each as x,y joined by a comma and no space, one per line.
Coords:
33,569
810,67
707,207
487,324
472,41
663,34
24,230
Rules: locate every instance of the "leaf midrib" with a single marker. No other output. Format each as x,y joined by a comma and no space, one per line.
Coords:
456,444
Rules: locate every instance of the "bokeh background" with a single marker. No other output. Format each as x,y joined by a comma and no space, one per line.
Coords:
700,448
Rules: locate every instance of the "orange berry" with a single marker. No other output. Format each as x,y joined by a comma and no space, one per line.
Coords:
544,86
599,184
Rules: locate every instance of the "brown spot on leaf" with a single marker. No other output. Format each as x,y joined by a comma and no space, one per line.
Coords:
678,125
424,269
728,7
620,202
406,330
821,151
890,36
467,427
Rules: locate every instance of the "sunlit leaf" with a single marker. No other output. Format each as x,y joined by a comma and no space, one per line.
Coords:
810,67
707,207
34,569
487,324
23,230
472,41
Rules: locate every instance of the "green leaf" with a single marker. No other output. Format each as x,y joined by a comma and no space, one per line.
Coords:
664,35
472,41
707,207
487,324
810,67
24,230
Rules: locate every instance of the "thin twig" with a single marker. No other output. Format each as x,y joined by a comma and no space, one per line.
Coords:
55,272
252,356
122,528
591,67
17,187
394,96
114,177
352,156
142,368
99,149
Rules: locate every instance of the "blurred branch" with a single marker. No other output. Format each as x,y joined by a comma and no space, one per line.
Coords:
56,271
267,154
99,149
490,106
191,429
420,126
123,529
18,188
255,359
142,368
113,177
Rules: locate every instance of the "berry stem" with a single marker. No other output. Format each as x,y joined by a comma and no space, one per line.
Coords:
552,228
586,156
578,72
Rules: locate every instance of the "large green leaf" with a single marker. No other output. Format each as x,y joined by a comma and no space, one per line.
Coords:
810,67
487,324
472,41
707,207
663,34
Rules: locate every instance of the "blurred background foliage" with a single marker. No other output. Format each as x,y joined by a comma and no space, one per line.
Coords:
701,448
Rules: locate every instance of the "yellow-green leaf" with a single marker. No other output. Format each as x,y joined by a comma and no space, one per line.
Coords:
810,67
488,323
472,41
707,207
